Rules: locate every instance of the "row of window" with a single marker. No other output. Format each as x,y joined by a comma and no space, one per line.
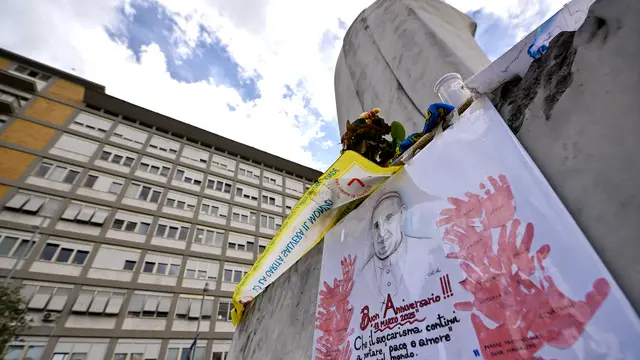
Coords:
69,252
109,302
89,218
122,160
98,184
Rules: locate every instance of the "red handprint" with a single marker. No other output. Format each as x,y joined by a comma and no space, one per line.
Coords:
334,315
501,284
499,206
474,245
463,210
559,320
495,295
512,253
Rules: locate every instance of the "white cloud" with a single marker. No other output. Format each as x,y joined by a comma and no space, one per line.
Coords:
327,144
522,15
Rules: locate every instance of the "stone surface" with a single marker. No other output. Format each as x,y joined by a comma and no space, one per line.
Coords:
393,54
587,143
547,77
280,322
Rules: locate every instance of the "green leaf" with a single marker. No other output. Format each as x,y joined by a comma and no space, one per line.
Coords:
397,132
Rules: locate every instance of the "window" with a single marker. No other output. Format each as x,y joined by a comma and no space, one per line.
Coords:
49,252
271,222
219,185
217,355
222,164
129,265
261,249
65,253
293,186
22,352
74,147
115,188
56,172
248,172
219,165
15,246
181,201
48,297
233,276
289,204
128,135
224,311
212,208
26,71
148,267
171,231
202,269
116,258
154,167
130,226
269,200
143,192
248,193
272,180
149,305
80,257
182,353
85,214
117,156
163,146
159,264
67,356
103,183
91,124
90,181
194,156
13,97
189,177
98,301
243,216
33,204
174,270
209,237
189,308
240,242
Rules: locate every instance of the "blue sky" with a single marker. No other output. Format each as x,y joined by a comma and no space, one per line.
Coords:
256,71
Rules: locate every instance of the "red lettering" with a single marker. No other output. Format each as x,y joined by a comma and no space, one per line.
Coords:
389,305
366,320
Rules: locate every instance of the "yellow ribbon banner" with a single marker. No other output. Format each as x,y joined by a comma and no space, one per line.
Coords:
338,191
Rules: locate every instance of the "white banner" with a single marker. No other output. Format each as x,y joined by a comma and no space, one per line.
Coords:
467,253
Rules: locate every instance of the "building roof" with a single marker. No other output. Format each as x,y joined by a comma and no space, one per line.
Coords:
50,70
196,134
95,95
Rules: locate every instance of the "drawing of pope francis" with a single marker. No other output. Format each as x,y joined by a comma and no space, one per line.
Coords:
397,264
